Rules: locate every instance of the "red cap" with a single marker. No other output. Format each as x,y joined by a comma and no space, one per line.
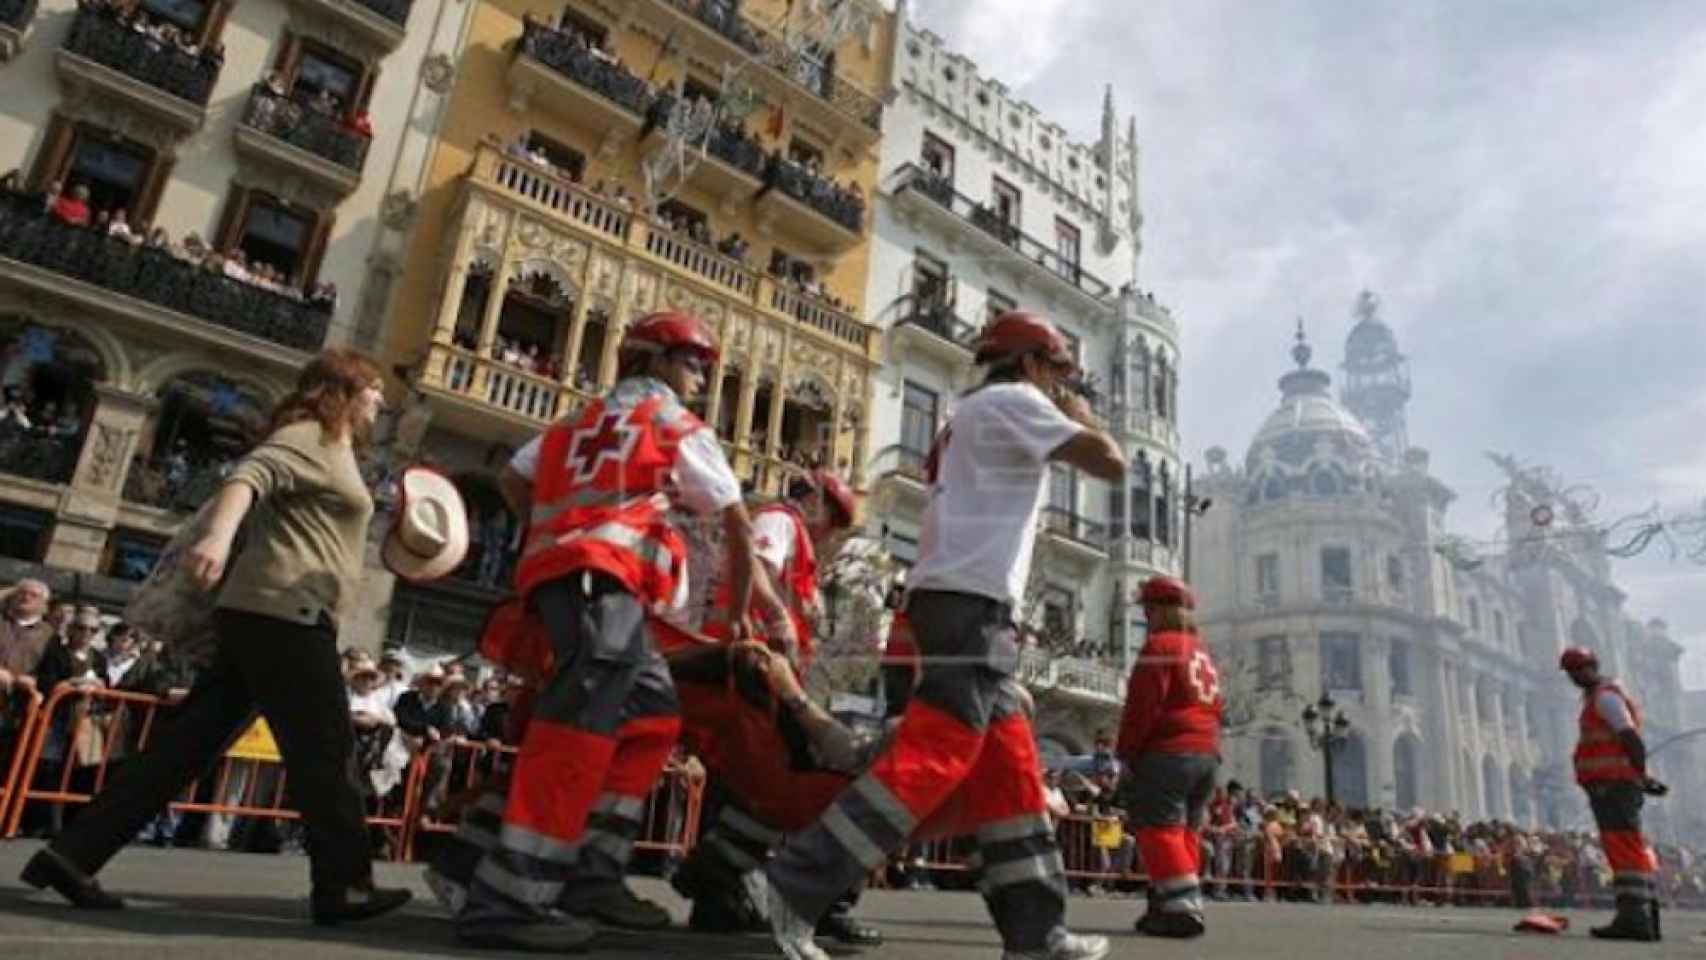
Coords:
1575,658
837,492
1018,332
1167,591
671,330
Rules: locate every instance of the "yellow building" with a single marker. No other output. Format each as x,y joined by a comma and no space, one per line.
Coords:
563,201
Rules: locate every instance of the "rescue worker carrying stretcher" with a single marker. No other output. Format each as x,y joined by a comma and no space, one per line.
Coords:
600,557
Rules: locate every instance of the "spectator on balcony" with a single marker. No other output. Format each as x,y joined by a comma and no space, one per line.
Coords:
72,209
360,124
118,227
16,414
159,239
324,296
235,265
324,103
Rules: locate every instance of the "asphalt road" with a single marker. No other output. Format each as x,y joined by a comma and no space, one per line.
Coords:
193,905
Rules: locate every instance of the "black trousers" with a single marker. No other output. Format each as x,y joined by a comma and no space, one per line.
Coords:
290,674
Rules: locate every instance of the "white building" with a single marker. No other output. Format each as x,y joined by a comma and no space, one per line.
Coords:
154,365
985,205
1326,567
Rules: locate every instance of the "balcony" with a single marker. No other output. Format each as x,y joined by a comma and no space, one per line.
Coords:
732,168
179,488
473,386
556,70
1075,537
168,84
1076,677
932,330
90,269
38,454
817,210
831,102
569,204
897,481
378,23
15,19
290,134
1338,596
930,195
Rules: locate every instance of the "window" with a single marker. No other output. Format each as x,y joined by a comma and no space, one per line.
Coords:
309,68
1395,573
1140,496
1273,664
566,159
997,303
1006,203
674,212
130,554
938,157
1474,615
1398,665
1057,603
1066,246
1116,509
576,22
1336,573
189,16
918,418
23,532
1164,507
121,174
1267,575
805,153
694,88
1063,489
1341,662
270,231
932,288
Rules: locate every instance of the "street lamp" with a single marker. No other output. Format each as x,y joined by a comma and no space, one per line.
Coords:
1327,729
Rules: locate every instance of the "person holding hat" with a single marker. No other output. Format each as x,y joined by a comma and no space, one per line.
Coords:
1170,741
277,603
600,554
964,730
1611,765
429,535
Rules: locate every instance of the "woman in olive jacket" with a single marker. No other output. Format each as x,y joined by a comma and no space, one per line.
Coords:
276,611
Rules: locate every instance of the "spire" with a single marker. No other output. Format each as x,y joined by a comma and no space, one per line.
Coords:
1136,220
1300,351
1305,379
1109,144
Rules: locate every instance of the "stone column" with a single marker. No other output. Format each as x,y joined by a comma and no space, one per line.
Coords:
572,345
1445,750
617,326
88,511
1378,718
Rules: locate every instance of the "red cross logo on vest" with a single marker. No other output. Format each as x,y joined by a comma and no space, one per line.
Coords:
1205,680
610,438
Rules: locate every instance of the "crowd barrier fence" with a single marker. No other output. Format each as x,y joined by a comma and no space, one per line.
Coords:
23,722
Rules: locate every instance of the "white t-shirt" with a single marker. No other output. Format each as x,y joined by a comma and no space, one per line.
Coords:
980,527
372,702
1613,711
703,480
773,538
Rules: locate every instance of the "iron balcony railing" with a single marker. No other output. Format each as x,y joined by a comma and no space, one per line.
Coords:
821,194
568,55
40,453
156,276
103,39
938,319
1068,524
727,142
300,125
986,219
17,13
724,19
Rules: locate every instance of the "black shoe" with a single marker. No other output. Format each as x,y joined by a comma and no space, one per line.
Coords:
1177,926
356,903
614,904
49,868
557,935
846,928
720,913
702,875
1627,928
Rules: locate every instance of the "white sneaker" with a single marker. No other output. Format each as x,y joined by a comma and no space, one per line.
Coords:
451,896
792,932
1063,945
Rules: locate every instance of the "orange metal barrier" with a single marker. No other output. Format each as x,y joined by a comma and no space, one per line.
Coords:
670,820
79,707
20,746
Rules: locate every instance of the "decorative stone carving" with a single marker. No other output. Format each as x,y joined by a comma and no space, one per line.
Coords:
108,449
438,72
605,275
398,210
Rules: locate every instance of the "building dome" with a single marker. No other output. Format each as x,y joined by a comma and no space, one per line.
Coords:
1311,446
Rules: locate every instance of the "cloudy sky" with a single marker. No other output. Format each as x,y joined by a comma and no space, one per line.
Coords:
1523,182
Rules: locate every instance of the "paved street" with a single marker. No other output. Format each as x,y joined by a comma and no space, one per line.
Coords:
221,906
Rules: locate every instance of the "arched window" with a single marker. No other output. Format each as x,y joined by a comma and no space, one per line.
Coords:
205,423
1141,494
1164,507
1274,487
48,377
1323,482
1160,389
1140,373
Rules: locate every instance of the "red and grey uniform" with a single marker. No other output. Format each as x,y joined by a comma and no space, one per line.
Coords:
1170,741
601,557
1613,785
782,541
964,734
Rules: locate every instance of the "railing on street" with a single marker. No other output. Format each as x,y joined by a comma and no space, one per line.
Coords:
100,37
19,709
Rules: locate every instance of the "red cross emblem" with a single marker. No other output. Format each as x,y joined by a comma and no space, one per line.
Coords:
610,438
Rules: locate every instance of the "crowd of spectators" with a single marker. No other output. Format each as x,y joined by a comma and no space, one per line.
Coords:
180,480
39,438
159,33
71,206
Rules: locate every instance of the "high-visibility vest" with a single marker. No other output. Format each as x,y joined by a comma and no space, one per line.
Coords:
599,494
1600,756
797,584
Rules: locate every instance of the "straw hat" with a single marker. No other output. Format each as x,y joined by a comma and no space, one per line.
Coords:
429,538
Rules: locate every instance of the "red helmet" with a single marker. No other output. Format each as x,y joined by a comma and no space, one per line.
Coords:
671,330
836,491
1019,332
1575,658
1167,592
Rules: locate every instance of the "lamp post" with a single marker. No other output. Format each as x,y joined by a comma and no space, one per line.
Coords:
1327,728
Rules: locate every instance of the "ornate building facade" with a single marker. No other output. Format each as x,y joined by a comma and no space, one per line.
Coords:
601,160
262,159
1327,567
985,205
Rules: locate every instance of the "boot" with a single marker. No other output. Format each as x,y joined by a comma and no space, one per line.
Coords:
1657,933
611,902
1634,921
